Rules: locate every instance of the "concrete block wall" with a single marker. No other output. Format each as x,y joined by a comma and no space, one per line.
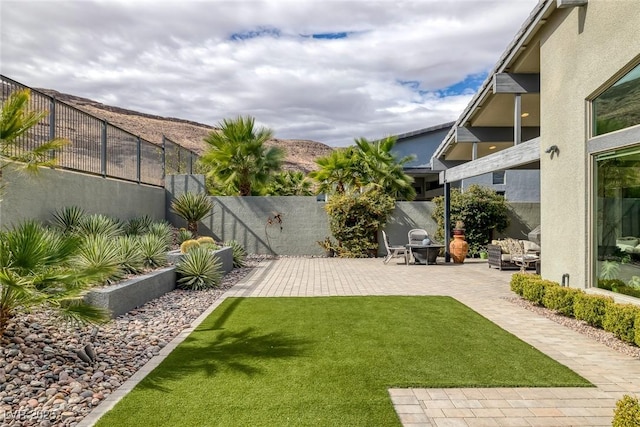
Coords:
38,196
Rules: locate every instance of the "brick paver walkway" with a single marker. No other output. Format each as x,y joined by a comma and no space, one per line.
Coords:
481,289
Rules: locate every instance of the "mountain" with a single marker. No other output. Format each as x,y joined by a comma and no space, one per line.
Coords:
300,154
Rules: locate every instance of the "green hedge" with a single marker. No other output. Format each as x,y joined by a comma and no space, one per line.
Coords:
627,412
591,308
620,320
561,299
518,280
535,288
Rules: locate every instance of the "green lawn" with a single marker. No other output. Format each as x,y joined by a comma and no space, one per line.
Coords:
328,362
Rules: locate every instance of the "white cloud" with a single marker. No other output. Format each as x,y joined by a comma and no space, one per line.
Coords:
178,58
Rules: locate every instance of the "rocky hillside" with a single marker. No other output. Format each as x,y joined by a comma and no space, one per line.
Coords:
300,153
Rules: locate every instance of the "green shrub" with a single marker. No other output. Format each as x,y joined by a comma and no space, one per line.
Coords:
591,308
620,320
518,280
138,225
627,412
162,230
198,269
184,235
534,290
68,219
627,290
610,284
560,299
132,260
98,224
153,250
239,254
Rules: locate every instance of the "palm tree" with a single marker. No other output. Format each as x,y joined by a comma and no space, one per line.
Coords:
237,159
15,120
289,183
383,169
41,267
337,172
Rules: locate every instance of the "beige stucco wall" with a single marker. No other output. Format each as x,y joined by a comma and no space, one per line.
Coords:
581,49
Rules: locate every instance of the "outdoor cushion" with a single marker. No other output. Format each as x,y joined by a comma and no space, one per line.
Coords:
629,241
530,246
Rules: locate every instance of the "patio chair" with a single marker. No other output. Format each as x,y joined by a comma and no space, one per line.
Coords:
392,251
416,237
519,256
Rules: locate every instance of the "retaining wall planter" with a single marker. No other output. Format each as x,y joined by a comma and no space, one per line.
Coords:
123,297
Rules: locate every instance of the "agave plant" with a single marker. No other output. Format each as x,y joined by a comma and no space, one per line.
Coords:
184,235
192,207
198,269
163,231
138,225
38,268
153,250
99,224
68,218
99,251
239,254
130,254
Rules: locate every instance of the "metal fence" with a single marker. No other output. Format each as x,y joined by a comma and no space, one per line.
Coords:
97,147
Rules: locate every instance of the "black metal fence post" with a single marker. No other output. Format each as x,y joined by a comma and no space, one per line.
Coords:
103,149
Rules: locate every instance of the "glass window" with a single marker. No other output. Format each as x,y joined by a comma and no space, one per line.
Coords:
617,220
498,178
619,106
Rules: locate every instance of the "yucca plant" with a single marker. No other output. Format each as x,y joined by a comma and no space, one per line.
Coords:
38,268
153,250
99,251
198,269
130,253
68,218
163,231
184,235
192,207
138,225
99,224
239,254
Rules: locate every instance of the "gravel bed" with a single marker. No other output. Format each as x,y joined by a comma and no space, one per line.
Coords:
47,377
600,335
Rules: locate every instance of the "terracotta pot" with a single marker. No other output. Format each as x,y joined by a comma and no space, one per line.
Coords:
459,248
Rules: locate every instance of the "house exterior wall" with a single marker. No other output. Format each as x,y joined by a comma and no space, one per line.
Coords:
422,146
581,48
519,186
29,196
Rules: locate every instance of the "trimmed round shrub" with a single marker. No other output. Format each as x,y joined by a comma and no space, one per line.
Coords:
518,280
560,299
198,269
534,290
620,320
591,308
627,412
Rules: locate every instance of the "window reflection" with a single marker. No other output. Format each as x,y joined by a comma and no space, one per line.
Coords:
619,106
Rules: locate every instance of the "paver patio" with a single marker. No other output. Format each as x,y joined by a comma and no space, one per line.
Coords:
481,289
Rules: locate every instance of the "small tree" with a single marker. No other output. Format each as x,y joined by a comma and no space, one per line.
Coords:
480,208
355,219
192,207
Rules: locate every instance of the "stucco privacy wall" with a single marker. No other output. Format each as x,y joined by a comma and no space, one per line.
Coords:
581,48
29,196
252,222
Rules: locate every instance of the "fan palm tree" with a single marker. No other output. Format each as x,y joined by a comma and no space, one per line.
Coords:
237,158
338,172
289,183
15,120
41,268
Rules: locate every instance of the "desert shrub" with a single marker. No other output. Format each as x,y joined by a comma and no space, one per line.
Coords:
560,299
591,308
163,231
100,252
68,218
627,412
534,290
98,224
132,259
183,235
187,245
138,225
620,320
239,254
153,249
518,280
198,269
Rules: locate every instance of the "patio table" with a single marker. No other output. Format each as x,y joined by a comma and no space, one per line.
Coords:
423,254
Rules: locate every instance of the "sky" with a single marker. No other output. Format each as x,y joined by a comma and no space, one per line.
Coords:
322,70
